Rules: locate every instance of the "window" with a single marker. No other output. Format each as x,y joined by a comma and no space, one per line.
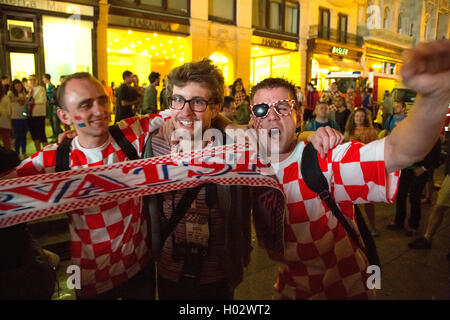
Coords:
342,28
222,10
154,3
275,15
291,18
180,5
399,24
386,18
324,23
411,30
259,9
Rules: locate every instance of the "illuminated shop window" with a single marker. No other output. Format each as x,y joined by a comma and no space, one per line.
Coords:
222,62
67,46
22,65
280,66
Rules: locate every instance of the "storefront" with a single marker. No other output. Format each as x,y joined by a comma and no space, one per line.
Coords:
274,58
144,45
325,56
40,36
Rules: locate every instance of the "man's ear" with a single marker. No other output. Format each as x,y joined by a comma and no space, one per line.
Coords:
63,115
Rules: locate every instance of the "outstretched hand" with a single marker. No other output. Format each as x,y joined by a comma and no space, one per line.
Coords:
427,69
325,139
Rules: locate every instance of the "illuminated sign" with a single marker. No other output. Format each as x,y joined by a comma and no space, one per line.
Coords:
64,7
147,24
274,43
338,50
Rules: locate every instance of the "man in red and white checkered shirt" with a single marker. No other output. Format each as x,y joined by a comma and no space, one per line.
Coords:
320,260
108,242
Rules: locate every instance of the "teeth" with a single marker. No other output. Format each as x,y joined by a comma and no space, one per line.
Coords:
187,123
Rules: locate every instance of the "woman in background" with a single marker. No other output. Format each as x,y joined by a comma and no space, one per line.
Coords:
359,127
17,97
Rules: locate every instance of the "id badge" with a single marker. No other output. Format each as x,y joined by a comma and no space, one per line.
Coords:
197,233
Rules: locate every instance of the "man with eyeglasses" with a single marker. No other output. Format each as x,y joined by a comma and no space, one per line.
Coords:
109,241
197,261
320,260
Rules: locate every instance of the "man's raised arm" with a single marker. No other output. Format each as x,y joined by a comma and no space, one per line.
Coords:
426,71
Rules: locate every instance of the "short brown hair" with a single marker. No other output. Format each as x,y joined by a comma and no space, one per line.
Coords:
271,83
61,92
203,72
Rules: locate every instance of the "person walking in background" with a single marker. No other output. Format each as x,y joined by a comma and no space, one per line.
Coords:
5,118
399,115
360,128
150,104
163,102
138,94
126,98
298,90
388,106
311,99
228,108
242,114
238,91
321,119
341,113
19,121
439,209
5,82
25,84
46,78
412,183
37,112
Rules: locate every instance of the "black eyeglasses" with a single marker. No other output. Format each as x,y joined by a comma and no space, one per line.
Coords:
196,104
281,107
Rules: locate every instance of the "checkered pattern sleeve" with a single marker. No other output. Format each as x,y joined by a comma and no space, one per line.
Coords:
40,162
357,173
138,129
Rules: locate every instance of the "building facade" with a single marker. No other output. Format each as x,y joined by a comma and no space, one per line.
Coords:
301,40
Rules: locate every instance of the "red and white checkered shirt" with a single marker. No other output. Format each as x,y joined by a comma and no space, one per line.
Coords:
321,262
108,242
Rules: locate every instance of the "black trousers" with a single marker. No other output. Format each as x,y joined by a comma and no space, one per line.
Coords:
188,290
412,186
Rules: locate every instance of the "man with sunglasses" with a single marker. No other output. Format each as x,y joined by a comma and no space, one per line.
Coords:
320,261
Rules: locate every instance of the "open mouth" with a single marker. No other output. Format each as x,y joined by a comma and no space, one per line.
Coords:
274,133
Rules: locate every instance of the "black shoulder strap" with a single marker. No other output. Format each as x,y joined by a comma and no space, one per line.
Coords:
316,181
63,155
123,142
180,211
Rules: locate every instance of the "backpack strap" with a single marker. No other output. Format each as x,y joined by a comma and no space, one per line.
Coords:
316,181
63,155
126,146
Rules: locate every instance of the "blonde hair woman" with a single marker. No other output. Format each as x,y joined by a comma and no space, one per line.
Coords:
359,127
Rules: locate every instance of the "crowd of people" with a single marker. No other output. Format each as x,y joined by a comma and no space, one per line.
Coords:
206,253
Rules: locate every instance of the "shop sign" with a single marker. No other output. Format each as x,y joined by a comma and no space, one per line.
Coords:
274,43
338,50
47,5
147,24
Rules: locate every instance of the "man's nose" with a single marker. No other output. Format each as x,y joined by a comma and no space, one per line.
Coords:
273,115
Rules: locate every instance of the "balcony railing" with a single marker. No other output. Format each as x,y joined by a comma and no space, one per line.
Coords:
384,35
334,35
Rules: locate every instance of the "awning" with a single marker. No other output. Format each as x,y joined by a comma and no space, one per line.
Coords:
344,65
